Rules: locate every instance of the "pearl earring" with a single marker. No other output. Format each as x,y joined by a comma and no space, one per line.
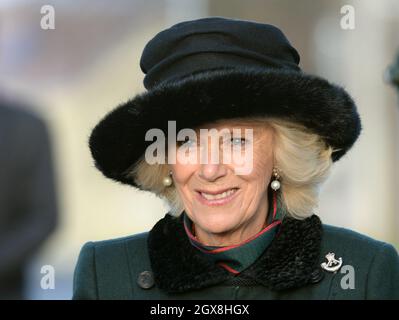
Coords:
167,181
275,185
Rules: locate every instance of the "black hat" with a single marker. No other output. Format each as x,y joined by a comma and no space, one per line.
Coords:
216,68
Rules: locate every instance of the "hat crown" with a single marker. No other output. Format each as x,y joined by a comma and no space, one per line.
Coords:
215,43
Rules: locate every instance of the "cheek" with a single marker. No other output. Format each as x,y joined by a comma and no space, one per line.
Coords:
182,173
262,167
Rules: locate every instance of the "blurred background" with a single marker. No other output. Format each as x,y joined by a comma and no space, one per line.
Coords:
56,84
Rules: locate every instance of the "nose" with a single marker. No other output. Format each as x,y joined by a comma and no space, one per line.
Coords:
213,168
212,172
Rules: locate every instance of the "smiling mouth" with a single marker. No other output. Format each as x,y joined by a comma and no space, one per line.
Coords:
217,198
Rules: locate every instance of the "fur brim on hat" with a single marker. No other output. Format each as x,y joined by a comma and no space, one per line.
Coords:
118,140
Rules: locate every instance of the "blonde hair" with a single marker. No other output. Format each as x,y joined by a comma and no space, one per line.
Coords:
302,157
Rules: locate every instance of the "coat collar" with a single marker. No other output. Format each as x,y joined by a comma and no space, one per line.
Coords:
290,261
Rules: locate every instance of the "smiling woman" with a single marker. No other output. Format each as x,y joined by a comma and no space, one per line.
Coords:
302,157
232,233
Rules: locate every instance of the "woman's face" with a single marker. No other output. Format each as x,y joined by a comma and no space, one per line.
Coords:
215,197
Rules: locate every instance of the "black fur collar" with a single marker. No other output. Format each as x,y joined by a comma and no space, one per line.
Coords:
290,261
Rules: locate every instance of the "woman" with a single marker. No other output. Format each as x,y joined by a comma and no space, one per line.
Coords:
242,228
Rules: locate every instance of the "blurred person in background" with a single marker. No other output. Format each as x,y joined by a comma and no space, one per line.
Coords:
28,206
232,236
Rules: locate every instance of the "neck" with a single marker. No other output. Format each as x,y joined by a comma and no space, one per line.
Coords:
238,235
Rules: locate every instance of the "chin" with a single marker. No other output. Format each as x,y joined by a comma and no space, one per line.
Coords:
217,224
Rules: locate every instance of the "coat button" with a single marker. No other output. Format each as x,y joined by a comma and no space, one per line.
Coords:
145,280
316,276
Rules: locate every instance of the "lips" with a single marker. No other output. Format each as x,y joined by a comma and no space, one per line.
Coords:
219,197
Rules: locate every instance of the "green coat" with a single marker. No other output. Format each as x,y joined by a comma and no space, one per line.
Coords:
162,264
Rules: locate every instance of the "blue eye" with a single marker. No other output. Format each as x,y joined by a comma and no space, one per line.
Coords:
238,141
